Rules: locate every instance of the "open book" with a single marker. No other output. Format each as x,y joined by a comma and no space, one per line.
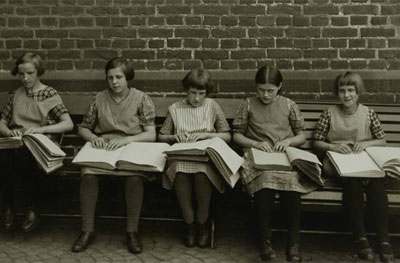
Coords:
135,156
46,153
373,162
224,158
304,161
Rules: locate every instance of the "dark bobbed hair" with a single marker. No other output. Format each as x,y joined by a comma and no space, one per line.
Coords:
198,79
269,75
125,64
29,57
349,78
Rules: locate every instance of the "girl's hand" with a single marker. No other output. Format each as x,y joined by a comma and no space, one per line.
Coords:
263,146
342,148
98,143
196,137
281,146
15,133
358,147
114,144
181,137
33,130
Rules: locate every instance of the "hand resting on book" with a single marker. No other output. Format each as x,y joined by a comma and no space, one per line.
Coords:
279,146
357,147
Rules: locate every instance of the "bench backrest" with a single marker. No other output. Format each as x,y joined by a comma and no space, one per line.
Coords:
78,104
388,114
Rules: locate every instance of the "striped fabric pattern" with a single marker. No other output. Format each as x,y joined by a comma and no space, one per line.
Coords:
192,119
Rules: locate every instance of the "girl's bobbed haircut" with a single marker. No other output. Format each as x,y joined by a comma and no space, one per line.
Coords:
29,57
269,75
348,78
198,79
125,64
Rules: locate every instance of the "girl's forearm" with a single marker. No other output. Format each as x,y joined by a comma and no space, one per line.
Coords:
298,140
226,136
147,136
243,141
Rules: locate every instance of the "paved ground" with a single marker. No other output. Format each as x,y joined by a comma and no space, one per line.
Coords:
51,242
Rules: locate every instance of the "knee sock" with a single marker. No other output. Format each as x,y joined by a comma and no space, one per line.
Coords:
89,192
203,191
353,197
264,200
378,201
134,199
183,189
291,203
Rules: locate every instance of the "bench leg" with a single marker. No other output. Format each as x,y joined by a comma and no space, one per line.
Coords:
212,235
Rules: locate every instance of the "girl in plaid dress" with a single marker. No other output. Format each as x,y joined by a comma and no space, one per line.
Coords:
271,122
194,118
117,116
32,108
350,127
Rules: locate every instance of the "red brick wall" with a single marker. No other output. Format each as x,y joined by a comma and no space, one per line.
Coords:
224,36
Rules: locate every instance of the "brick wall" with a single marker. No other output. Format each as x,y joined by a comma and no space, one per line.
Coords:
311,40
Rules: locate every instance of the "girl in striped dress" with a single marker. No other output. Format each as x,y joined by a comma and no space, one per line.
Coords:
32,108
194,118
271,122
117,116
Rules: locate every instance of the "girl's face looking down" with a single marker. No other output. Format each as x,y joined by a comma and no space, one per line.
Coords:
117,81
28,75
348,97
267,92
196,96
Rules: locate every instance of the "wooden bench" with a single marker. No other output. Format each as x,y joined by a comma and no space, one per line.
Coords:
327,199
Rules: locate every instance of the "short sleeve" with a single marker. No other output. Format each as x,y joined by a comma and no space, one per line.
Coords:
240,122
146,111
323,126
221,125
375,125
168,125
296,118
90,119
7,112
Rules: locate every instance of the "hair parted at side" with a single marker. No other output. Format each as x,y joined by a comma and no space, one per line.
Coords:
125,64
269,75
198,79
349,78
29,57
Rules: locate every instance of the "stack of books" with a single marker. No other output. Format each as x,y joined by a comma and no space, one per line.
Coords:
46,153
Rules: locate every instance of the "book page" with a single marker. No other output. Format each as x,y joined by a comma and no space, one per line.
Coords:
145,153
45,143
97,157
295,153
266,159
10,142
193,148
232,160
382,155
349,164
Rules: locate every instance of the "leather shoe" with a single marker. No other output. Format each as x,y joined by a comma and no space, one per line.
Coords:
8,218
83,241
386,252
364,250
30,221
133,242
266,250
293,253
203,235
190,236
